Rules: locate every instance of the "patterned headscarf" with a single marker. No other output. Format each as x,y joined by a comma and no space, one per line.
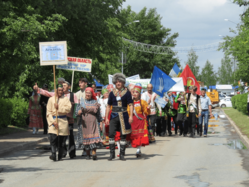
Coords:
93,94
131,86
104,91
110,87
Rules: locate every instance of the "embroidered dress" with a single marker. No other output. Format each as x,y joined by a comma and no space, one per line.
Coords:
139,134
35,113
90,129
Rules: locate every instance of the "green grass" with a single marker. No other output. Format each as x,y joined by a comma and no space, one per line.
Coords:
240,119
12,129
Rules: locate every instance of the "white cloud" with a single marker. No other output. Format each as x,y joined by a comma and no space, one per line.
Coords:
200,6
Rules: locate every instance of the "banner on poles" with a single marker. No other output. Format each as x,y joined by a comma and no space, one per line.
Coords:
143,82
77,64
53,53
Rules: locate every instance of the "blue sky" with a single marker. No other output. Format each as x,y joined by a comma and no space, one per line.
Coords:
198,22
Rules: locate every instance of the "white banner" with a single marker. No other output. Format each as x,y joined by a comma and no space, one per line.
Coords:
178,87
77,64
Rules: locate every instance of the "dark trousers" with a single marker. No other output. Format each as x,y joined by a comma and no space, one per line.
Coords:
152,121
161,126
71,144
44,118
168,124
192,122
57,141
175,122
181,118
248,108
115,126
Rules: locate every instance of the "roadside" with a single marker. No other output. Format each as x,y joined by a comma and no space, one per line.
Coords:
240,123
12,129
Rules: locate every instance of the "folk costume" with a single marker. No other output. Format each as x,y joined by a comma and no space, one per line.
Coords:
139,135
119,99
57,136
90,118
73,99
35,113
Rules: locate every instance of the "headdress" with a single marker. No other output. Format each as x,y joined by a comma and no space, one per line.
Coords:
131,86
109,87
91,90
138,87
118,77
59,86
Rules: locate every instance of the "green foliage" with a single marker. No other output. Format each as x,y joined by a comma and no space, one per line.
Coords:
148,30
225,73
5,111
192,62
208,76
19,111
239,102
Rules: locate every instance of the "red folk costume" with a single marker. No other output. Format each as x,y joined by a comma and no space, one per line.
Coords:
34,111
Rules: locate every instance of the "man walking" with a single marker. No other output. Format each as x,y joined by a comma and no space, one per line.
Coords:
119,98
206,107
194,108
149,96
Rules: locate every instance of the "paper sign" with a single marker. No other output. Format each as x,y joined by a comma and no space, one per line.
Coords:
53,53
77,64
160,101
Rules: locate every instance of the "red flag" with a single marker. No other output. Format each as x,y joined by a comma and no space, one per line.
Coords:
189,79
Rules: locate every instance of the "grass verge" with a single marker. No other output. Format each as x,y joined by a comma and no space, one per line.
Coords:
12,129
240,119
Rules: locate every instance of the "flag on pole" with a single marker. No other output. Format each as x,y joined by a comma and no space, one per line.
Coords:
175,71
189,79
161,82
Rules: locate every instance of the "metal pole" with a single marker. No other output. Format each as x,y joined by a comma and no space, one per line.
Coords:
122,62
72,82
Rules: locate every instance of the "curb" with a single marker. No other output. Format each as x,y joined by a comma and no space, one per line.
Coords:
244,138
19,147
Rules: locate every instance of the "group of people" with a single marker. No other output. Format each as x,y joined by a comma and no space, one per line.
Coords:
121,116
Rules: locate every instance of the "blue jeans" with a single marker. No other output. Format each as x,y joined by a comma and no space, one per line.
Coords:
204,115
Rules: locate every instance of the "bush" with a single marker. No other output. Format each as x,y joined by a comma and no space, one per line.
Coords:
5,113
19,112
239,102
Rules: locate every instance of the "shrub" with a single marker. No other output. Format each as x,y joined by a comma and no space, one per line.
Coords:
5,113
19,112
239,102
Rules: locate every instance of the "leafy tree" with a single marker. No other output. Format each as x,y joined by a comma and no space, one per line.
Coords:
208,76
149,30
225,72
192,62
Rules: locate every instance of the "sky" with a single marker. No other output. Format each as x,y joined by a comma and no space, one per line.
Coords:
198,22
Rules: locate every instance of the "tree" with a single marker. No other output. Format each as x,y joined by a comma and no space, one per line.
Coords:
208,76
149,30
225,73
192,62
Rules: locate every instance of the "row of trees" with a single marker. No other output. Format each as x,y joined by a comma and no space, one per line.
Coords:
93,29
224,75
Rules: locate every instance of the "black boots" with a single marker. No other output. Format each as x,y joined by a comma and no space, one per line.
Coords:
112,149
122,150
53,151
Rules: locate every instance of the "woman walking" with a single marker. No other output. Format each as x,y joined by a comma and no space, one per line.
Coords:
35,113
89,109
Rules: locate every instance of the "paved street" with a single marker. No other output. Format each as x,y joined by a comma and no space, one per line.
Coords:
218,160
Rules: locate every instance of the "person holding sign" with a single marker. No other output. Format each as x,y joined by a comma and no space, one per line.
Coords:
58,126
119,98
139,135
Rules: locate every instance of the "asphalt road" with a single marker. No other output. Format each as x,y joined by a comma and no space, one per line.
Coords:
218,160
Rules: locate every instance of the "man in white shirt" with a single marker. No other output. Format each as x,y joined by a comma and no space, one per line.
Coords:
149,96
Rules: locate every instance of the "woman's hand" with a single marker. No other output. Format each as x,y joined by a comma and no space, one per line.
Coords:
107,122
131,119
79,112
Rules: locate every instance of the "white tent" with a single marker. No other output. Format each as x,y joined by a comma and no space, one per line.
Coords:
178,87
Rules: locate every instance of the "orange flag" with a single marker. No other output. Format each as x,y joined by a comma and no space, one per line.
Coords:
189,79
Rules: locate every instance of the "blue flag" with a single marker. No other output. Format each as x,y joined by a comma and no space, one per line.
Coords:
161,82
175,71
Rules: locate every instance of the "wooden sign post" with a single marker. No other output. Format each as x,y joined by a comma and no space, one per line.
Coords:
53,53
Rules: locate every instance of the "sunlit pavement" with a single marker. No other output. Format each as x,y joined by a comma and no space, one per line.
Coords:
217,160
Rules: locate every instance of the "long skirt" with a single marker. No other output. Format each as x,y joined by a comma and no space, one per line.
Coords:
35,118
139,134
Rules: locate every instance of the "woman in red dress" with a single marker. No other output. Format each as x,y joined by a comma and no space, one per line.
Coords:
35,113
139,135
